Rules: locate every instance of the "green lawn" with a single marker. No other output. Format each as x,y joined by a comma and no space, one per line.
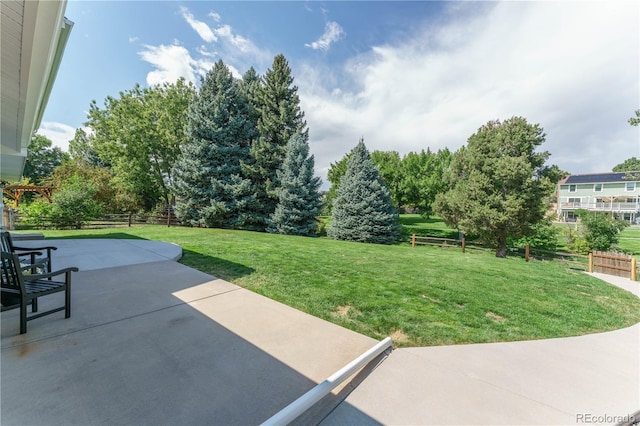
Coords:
428,227
422,296
630,240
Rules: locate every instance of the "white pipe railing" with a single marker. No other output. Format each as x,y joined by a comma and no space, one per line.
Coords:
306,401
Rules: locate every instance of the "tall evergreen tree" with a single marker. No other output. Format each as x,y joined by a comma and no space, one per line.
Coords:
299,201
498,183
208,180
363,210
279,118
249,87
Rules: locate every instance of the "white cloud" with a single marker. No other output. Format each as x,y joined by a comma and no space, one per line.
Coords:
203,30
570,66
59,133
216,17
243,44
172,62
332,33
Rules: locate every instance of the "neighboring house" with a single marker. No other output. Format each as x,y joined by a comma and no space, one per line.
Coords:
614,193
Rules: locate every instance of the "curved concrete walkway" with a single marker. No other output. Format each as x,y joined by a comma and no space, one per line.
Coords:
151,341
592,379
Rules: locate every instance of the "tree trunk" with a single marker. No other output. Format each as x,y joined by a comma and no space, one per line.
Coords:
501,248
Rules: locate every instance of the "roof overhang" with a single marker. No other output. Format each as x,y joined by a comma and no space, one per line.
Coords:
34,35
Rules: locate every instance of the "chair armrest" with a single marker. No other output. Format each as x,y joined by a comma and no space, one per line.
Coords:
35,248
33,277
27,253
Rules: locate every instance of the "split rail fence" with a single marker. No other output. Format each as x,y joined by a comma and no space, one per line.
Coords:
575,261
107,221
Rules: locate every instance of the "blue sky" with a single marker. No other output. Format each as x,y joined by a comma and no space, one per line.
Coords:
405,76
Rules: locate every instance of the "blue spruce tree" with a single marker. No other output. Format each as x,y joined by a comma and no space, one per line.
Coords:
277,106
299,201
208,181
363,210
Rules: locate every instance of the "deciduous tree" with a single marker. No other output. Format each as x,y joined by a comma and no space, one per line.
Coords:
42,159
139,135
389,164
82,150
423,178
629,165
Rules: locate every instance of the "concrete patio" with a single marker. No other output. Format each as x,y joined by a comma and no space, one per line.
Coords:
159,343
151,341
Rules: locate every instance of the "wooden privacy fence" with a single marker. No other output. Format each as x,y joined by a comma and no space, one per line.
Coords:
613,264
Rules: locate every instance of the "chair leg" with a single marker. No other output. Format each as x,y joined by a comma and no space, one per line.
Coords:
67,301
23,316
34,305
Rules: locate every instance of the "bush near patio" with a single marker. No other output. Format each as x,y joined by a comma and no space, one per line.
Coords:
427,296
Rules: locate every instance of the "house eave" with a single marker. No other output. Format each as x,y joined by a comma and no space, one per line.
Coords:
34,36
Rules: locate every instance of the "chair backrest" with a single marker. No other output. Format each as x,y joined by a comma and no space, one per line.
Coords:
10,274
6,244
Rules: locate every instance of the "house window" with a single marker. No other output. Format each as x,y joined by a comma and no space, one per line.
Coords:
630,186
574,201
572,188
631,200
597,187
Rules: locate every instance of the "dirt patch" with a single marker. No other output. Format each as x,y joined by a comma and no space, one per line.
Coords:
495,317
399,337
432,299
345,312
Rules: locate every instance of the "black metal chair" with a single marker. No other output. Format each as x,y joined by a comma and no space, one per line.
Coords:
26,289
36,262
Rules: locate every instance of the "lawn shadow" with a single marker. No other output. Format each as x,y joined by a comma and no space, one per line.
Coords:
220,268
110,236
419,220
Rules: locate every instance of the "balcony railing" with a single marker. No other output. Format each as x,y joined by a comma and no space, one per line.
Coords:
608,207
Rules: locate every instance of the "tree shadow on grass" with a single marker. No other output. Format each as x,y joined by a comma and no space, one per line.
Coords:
419,220
220,268
111,236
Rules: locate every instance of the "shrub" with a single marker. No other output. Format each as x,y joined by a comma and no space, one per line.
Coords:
73,204
37,213
545,236
600,230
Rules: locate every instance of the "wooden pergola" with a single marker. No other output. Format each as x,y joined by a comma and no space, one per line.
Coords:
17,191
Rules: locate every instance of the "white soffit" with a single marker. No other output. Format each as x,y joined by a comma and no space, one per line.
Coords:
33,38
